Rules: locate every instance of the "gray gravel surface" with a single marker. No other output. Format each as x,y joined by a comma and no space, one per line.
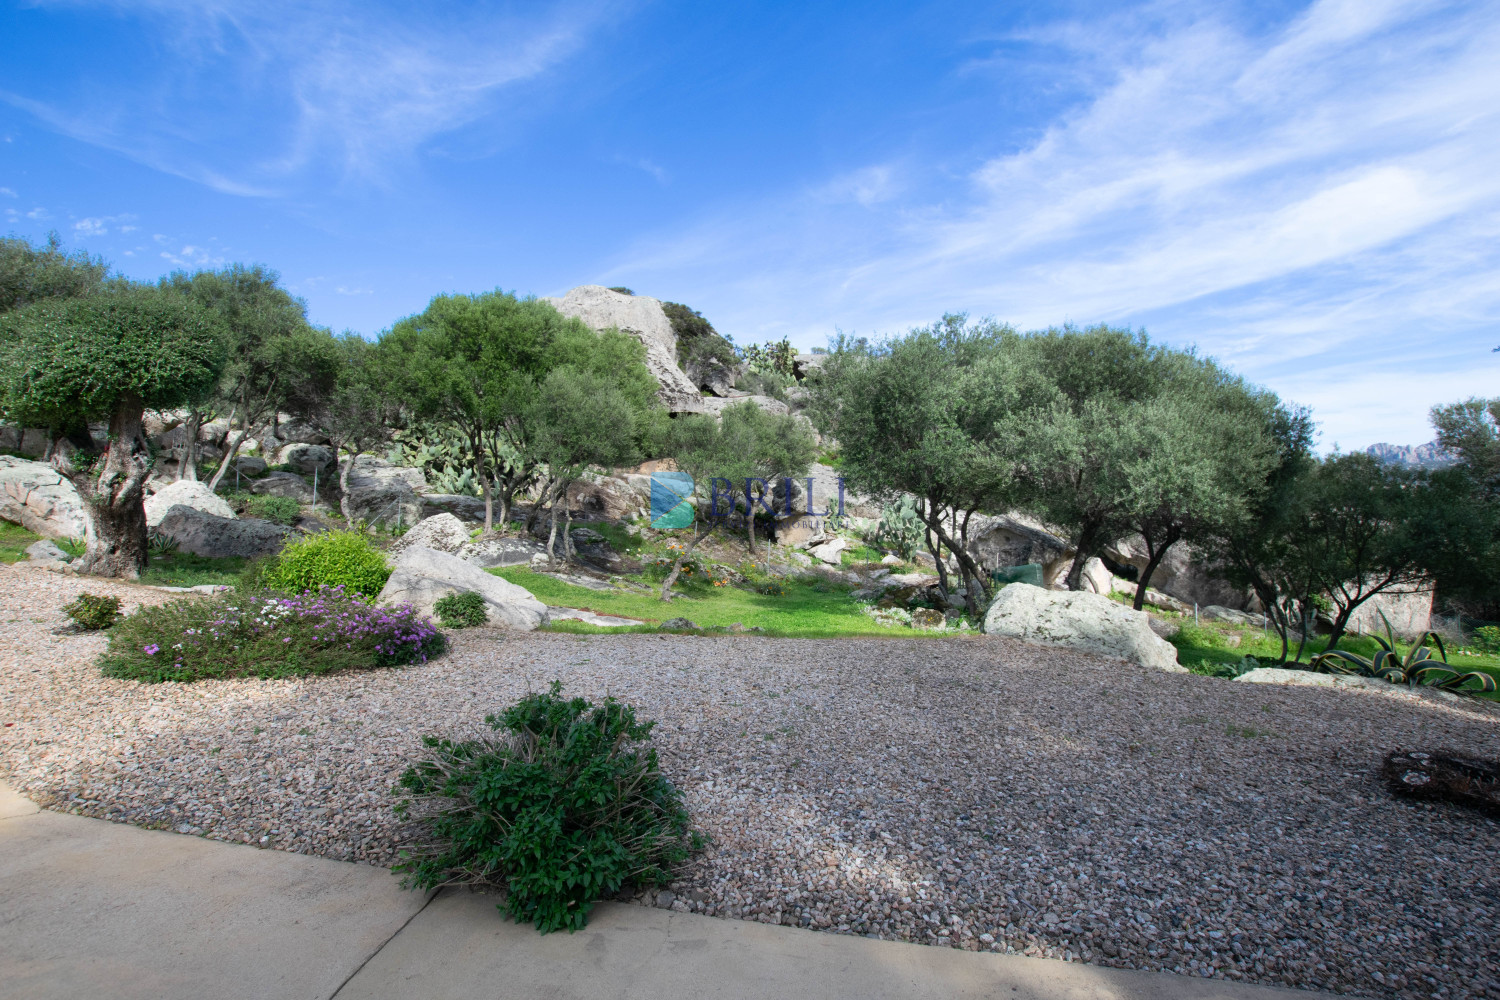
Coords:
969,792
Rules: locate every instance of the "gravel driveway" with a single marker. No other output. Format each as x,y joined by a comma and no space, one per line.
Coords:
973,793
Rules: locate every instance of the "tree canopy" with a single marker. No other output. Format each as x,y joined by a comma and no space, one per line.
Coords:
32,274
108,355
475,363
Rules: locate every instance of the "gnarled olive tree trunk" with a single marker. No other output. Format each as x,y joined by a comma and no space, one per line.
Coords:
113,489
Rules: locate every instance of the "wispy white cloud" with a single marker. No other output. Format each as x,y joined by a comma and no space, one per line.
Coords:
344,85
1277,200
195,257
8,193
101,225
646,166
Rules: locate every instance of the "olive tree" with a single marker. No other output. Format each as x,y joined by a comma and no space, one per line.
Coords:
1198,457
31,274
579,419
107,356
928,415
361,407
276,360
720,455
474,364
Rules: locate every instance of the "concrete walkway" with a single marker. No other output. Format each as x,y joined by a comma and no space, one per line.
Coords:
90,908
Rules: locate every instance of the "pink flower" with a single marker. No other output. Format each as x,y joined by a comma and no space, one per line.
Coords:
151,650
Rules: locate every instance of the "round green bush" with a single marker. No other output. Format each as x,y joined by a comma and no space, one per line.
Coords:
463,610
330,559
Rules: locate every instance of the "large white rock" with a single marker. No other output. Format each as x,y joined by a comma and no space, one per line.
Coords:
371,471
443,532
185,493
283,484
829,551
424,576
305,457
37,497
1079,620
643,318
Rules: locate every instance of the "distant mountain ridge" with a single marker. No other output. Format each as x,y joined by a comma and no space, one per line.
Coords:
1420,456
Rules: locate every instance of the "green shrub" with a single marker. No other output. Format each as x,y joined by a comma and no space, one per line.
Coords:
771,588
266,635
1229,671
1486,639
281,510
461,610
345,559
93,611
565,808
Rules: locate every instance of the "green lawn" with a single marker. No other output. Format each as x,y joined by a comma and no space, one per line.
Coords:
13,542
806,611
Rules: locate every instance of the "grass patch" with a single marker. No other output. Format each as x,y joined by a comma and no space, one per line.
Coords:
805,611
861,555
619,536
13,542
183,569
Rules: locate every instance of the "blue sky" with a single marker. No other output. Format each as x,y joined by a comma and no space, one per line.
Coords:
1308,192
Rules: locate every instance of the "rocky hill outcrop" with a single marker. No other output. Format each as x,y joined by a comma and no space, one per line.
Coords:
1418,456
644,319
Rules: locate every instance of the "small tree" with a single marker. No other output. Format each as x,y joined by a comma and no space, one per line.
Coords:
474,363
1471,430
1202,458
276,360
1081,453
1260,549
718,455
1362,531
108,356
359,410
925,415
579,419
772,446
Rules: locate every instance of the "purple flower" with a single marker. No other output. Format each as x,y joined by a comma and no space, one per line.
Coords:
151,650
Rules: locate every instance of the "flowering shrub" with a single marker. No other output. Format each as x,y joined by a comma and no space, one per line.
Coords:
266,635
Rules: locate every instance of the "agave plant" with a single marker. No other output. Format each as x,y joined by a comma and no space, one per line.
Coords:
1416,667
158,544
